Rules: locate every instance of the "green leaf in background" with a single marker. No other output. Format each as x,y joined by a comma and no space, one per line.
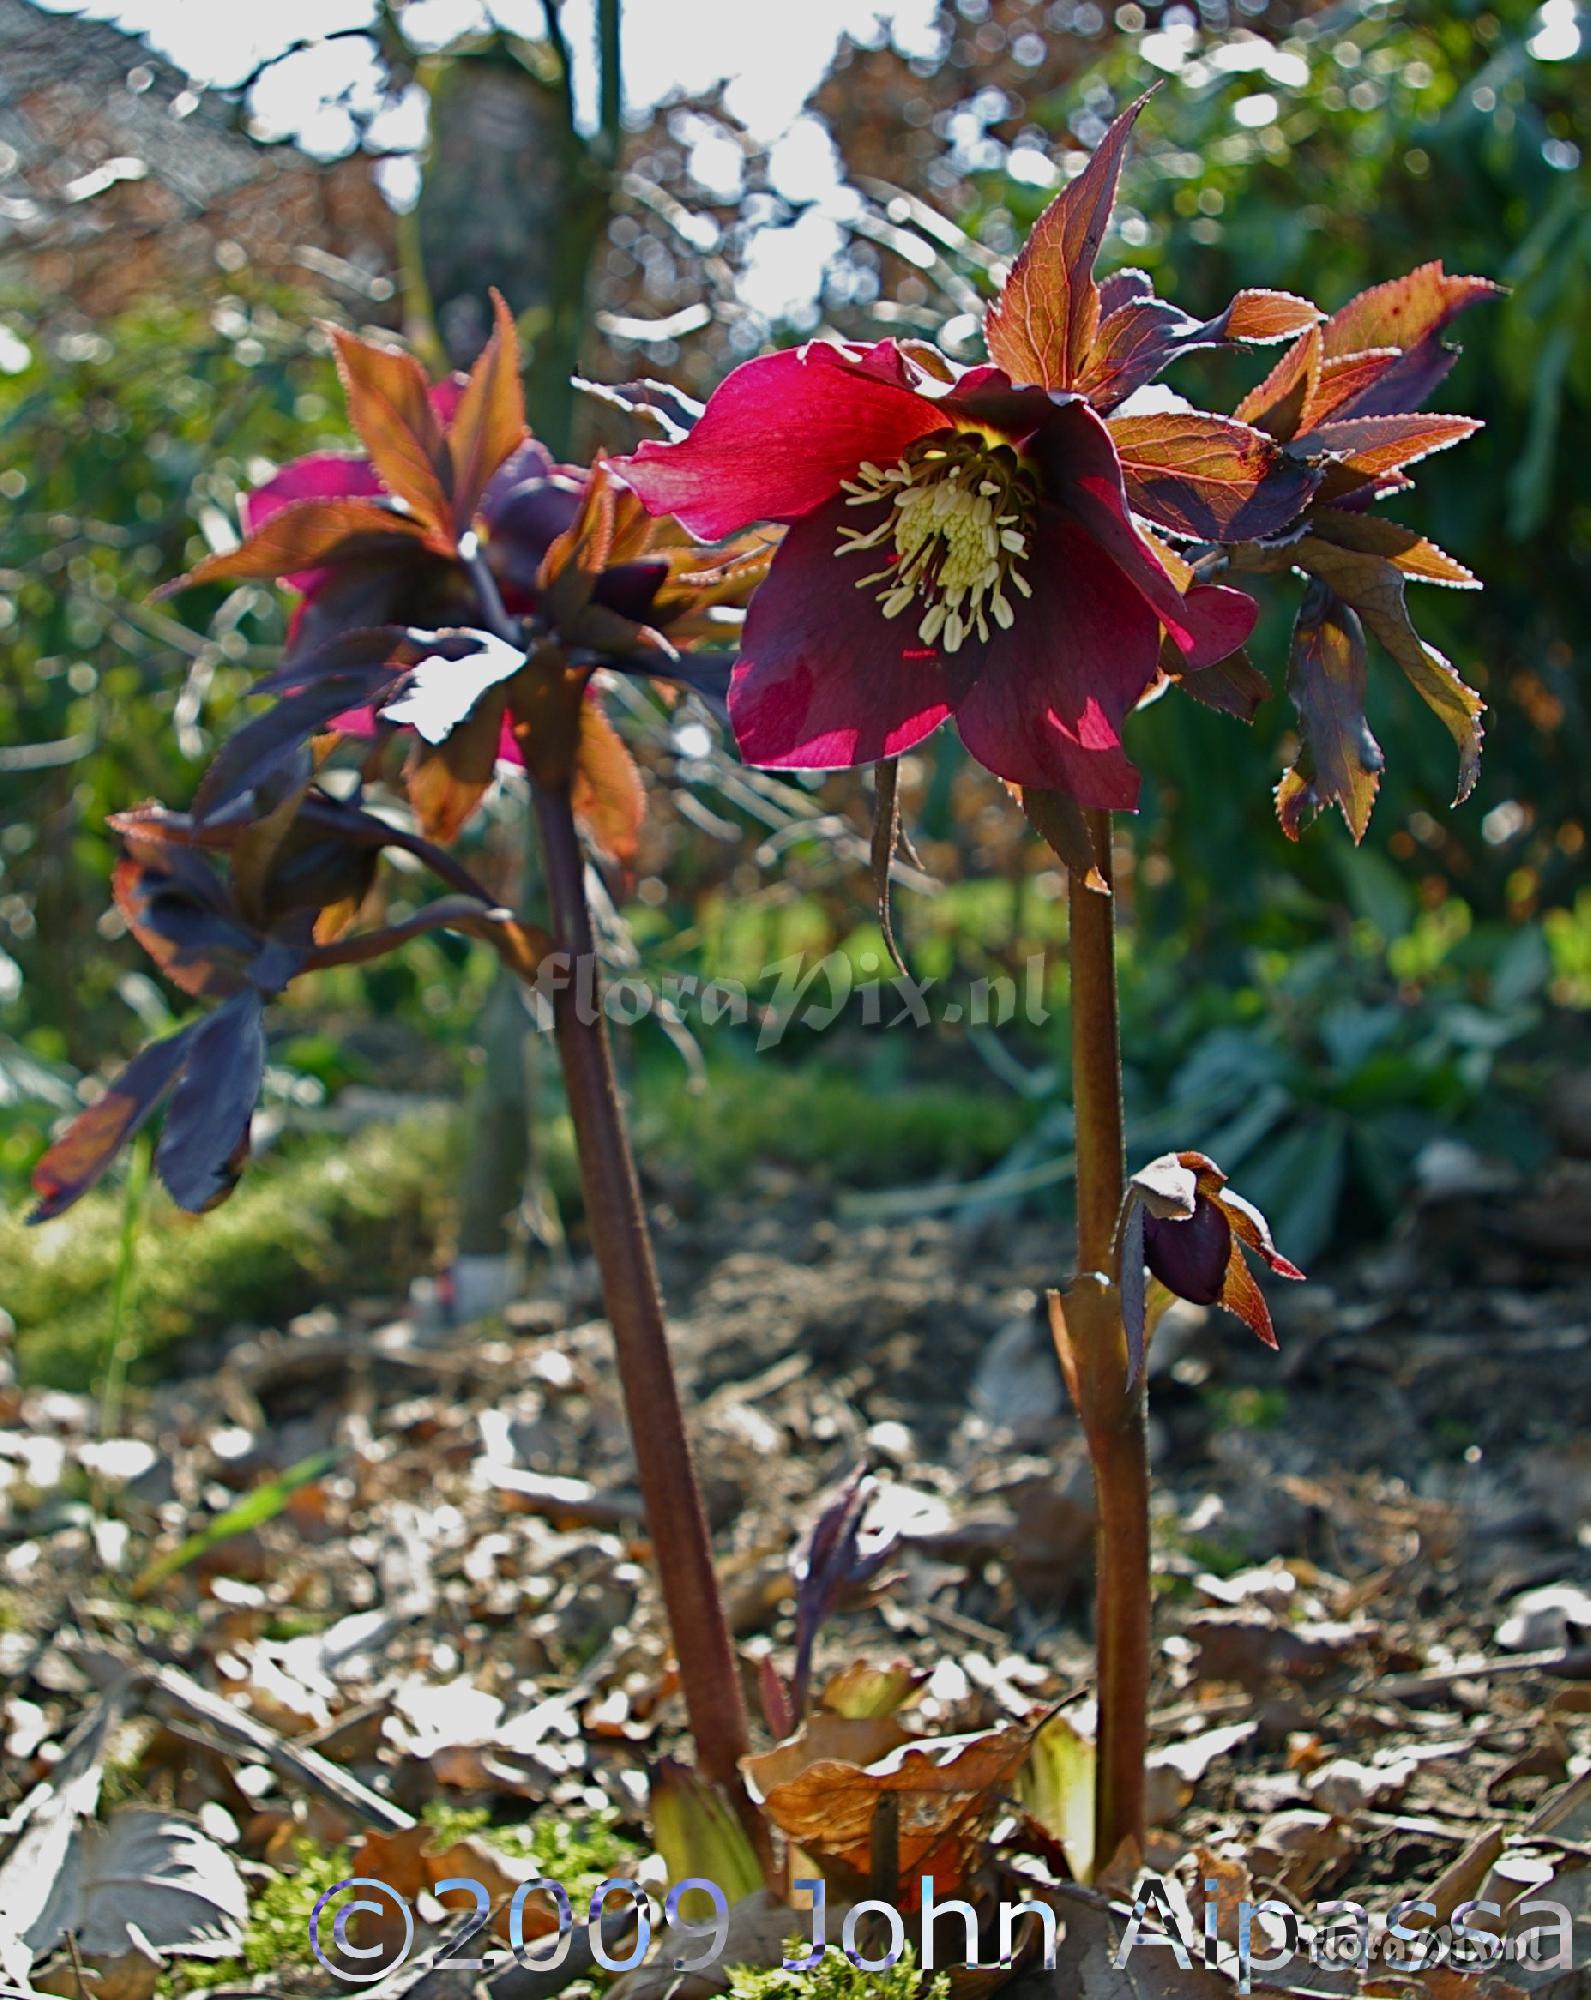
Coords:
252,1511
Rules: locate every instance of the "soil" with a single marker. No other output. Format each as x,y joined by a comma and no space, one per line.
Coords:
1345,1531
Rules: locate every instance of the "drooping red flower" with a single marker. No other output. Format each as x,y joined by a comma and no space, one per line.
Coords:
963,542
393,555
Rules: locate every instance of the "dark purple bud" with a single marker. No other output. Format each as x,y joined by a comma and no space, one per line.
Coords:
834,1560
1190,1257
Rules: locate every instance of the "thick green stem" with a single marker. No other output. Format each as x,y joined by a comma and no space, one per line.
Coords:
676,1517
1113,1416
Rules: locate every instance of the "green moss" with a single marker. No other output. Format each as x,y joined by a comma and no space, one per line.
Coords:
276,1937
821,1121
321,1222
834,1977
579,1853
325,1221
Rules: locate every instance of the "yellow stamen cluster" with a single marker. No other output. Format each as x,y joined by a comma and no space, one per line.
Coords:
958,518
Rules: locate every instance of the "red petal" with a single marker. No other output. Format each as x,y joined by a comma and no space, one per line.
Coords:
1047,706
324,475
1084,476
777,437
824,678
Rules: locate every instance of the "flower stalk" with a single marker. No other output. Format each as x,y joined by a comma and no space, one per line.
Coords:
1107,1390
676,1516
665,1468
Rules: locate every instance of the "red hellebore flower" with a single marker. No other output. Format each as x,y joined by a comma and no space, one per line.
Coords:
959,547
962,542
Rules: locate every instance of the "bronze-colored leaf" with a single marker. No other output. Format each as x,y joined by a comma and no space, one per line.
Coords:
1375,589
303,536
947,1793
1042,326
607,794
1261,316
389,402
1372,446
1140,335
1343,380
1339,762
1240,1294
1277,404
826,1739
1404,311
1209,477
1373,534
1234,685
490,420
86,1148
573,562
446,781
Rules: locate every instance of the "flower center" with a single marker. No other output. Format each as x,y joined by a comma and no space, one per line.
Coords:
959,512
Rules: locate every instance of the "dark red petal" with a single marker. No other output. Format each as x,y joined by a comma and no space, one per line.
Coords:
776,439
1052,693
1191,1258
445,397
824,678
1083,475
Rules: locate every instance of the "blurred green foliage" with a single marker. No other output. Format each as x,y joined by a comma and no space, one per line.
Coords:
118,443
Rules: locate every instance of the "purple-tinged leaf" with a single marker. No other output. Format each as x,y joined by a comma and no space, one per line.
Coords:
88,1145
1339,762
1210,478
306,536
1142,336
1061,822
832,1561
353,652
1234,685
205,1140
274,746
196,938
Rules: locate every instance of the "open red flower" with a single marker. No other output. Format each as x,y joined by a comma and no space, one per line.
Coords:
962,542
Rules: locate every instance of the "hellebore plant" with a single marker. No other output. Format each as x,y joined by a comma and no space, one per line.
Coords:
1028,548
456,590
984,545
